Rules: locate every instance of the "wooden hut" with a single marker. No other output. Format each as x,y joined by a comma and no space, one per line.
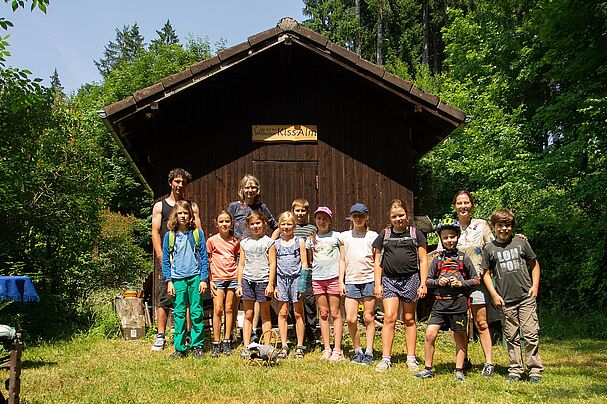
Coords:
308,117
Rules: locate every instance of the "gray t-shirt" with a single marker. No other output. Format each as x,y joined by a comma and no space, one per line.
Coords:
256,260
508,265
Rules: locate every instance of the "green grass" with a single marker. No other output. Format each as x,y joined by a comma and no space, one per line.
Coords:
93,369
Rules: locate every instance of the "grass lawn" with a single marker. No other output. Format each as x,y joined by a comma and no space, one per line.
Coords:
92,369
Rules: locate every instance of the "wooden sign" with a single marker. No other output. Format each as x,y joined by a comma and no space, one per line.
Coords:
284,133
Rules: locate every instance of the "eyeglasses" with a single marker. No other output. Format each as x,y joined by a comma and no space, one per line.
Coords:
251,187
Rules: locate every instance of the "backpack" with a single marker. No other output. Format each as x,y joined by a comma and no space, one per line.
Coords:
460,264
194,243
388,233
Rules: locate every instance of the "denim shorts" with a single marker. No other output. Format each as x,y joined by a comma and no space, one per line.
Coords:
226,284
405,288
287,288
254,291
360,290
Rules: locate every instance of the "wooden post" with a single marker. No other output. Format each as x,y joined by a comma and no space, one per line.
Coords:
132,317
14,381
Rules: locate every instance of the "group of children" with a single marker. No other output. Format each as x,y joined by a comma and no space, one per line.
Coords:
359,266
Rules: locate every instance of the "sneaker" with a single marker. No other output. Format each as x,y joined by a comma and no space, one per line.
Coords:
284,353
245,353
488,370
467,364
367,359
459,375
176,355
535,379
413,365
513,378
424,374
159,343
215,349
383,366
299,352
358,357
326,355
337,356
188,341
198,352
226,345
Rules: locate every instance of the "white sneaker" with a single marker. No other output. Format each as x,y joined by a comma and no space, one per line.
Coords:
158,344
413,365
337,356
383,366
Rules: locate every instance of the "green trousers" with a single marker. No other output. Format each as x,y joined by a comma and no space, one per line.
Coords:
187,294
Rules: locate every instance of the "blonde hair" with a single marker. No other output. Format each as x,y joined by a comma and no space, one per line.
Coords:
304,204
286,216
243,183
172,223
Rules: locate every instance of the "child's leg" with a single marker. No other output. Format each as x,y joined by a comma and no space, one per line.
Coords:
410,326
247,326
369,317
266,320
300,327
461,342
512,328
387,332
218,308
479,312
196,314
179,311
256,316
335,308
235,306
229,313
325,327
530,327
431,333
351,306
282,322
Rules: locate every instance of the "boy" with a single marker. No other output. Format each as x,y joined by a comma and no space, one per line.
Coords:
508,259
451,276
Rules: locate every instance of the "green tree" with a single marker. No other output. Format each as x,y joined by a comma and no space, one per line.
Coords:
166,36
125,47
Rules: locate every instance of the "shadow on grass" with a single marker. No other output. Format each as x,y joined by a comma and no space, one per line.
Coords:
28,364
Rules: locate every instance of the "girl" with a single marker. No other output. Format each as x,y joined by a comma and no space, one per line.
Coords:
401,269
223,248
290,258
185,269
325,252
256,274
356,281
249,193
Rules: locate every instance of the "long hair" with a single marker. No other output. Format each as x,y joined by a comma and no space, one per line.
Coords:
173,224
243,182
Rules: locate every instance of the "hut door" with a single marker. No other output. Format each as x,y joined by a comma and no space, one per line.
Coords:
283,181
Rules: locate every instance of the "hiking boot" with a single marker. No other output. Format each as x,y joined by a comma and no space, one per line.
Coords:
176,355
459,375
513,379
358,357
299,352
467,364
383,365
488,370
227,347
215,349
283,353
158,344
367,359
424,374
413,365
337,356
326,354
535,379
198,352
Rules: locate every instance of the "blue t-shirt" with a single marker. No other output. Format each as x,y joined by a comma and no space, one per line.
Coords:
186,262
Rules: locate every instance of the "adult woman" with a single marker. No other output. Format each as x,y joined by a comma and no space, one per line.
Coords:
475,233
249,192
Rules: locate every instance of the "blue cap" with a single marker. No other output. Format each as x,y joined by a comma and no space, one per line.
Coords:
360,208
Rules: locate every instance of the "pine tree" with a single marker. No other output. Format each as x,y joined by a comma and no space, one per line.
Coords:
55,82
128,43
166,36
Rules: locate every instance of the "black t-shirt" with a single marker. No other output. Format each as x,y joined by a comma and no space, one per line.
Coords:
400,252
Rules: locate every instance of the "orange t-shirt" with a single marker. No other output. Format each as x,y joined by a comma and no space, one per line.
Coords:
222,257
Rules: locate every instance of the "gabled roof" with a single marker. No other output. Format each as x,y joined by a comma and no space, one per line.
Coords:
287,29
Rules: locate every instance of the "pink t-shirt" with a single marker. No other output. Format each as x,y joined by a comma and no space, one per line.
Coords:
222,258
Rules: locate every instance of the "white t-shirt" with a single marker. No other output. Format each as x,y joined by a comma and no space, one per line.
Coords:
325,255
256,260
359,256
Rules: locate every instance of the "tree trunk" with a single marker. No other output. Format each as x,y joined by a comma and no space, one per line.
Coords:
358,40
380,34
426,34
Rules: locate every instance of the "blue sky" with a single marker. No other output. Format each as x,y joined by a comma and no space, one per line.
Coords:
73,33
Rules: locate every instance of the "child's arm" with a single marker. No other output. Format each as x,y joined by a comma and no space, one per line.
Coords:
422,253
535,277
275,234
305,269
203,257
497,300
272,262
432,281
212,286
240,269
377,272
342,273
